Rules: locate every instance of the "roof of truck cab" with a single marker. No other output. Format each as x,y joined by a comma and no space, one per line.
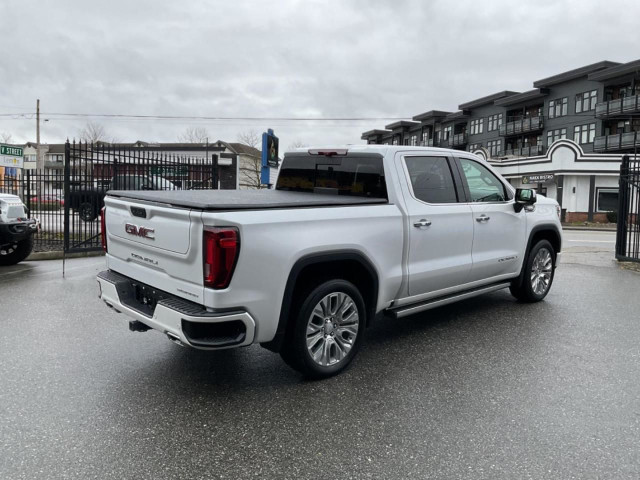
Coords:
380,149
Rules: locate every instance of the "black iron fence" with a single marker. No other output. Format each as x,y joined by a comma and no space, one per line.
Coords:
42,192
67,200
91,170
628,236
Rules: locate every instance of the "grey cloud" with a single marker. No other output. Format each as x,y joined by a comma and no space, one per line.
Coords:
357,58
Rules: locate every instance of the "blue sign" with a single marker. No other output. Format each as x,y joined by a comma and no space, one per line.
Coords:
269,155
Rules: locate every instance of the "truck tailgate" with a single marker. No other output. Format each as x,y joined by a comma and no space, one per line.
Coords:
158,245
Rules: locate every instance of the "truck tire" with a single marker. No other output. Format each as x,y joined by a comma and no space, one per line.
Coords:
328,328
87,212
538,273
17,252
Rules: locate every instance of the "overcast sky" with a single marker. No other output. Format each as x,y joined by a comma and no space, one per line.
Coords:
286,58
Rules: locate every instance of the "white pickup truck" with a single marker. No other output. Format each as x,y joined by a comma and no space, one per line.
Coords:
348,234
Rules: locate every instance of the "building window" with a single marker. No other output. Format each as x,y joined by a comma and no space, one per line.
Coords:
584,133
606,199
54,157
446,132
425,138
553,135
414,140
477,126
558,107
494,121
474,146
405,141
586,101
494,147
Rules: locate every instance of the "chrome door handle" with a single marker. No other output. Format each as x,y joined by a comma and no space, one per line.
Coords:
422,223
483,218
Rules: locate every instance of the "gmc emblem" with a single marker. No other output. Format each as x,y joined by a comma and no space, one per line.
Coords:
139,231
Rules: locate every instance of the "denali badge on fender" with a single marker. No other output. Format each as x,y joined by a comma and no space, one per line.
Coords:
139,231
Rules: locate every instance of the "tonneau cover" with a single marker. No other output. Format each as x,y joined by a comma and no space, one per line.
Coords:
242,199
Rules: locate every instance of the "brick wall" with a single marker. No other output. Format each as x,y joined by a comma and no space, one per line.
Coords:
572,217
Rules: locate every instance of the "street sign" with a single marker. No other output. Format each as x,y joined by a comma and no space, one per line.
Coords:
269,155
542,178
11,156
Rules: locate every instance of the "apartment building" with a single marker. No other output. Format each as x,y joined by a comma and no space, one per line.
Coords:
565,137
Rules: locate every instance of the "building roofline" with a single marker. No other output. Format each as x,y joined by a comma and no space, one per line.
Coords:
486,100
575,73
459,115
399,124
618,70
431,114
371,133
522,97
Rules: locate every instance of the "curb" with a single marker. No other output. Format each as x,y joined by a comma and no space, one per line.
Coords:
58,255
590,229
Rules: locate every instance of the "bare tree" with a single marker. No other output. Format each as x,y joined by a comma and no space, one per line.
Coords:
297,144
93,132
194,135
250,138
250,172
6,137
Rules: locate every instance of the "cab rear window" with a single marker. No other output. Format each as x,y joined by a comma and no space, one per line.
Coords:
360,176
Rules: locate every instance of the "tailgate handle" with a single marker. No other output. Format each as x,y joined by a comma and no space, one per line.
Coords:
138,212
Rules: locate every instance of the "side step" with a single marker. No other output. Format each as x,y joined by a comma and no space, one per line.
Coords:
440,301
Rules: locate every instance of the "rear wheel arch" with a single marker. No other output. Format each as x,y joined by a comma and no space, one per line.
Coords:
309,271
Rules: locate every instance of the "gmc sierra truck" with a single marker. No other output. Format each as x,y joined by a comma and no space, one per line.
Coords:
347,235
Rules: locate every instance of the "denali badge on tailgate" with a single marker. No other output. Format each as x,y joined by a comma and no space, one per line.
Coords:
139,231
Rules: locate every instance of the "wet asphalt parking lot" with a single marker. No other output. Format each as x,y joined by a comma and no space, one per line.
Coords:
488,388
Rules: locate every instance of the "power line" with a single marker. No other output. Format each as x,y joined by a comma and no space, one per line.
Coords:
194,117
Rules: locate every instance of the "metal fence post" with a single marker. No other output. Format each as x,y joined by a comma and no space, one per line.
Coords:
67,193
623,206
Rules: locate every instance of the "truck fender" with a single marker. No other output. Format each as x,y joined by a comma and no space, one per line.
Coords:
334,256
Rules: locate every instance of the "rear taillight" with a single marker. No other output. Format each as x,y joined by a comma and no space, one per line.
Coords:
221,248
103,228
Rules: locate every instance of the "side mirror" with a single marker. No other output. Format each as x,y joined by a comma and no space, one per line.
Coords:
524,197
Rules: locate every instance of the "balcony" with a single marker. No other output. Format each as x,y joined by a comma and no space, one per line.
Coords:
619,141
619,106
522,125
459,139
427,143
526,151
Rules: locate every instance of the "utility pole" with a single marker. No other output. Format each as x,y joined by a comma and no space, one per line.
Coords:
39,157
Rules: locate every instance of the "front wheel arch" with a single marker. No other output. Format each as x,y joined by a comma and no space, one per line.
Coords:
547,232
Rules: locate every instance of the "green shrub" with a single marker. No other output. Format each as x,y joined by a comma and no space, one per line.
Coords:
612,217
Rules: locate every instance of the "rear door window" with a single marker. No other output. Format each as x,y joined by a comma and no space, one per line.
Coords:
360,176
431,179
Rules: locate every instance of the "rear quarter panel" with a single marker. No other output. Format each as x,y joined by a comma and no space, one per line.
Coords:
272,241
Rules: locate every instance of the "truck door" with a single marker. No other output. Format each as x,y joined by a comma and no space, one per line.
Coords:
499,232
440,224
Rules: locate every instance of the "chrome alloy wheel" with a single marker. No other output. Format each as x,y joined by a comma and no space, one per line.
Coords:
332,329
541,271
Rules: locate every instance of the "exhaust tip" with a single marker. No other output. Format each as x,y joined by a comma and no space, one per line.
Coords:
175,339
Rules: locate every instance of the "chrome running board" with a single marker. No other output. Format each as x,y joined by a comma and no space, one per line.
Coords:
440,301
